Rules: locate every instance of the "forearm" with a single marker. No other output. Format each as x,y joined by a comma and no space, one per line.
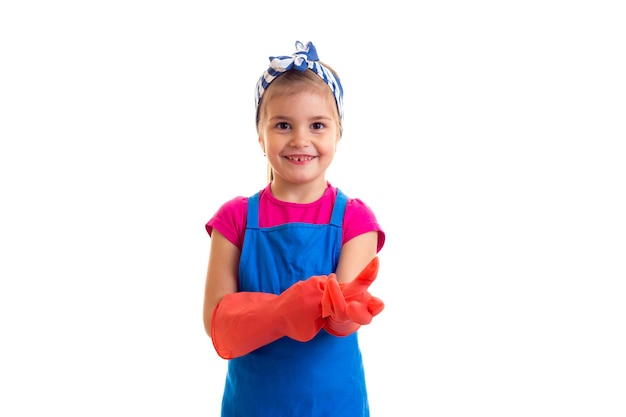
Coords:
244,321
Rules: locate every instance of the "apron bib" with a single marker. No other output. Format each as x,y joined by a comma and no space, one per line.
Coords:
320,378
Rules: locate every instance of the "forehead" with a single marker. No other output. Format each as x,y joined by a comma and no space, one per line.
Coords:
305,102
291,91
312,90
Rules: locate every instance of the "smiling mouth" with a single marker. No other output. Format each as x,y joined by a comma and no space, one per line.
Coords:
300,158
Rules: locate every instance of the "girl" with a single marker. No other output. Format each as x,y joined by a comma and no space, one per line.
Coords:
289,268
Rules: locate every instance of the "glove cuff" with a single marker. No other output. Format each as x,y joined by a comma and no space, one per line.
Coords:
340,328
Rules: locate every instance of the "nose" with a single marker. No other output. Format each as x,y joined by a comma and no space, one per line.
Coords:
300,137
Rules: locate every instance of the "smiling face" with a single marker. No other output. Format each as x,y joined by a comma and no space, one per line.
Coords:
298,130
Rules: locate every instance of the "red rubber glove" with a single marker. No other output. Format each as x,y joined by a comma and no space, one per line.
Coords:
244,321
346,307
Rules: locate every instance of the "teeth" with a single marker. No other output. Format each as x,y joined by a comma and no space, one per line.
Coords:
299,158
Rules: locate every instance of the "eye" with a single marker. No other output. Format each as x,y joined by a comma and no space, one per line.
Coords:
317,126
282,125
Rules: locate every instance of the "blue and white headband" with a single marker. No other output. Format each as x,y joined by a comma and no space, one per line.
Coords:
304,58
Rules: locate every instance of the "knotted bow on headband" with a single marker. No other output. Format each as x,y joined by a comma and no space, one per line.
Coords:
304,58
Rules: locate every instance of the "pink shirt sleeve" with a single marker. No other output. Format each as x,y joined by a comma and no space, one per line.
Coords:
359,219
230,220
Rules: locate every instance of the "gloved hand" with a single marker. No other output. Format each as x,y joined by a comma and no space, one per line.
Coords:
244,321
346,307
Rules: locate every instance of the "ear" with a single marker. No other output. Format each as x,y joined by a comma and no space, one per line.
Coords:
262,144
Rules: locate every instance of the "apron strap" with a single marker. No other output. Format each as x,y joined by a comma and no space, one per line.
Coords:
339,209
253,212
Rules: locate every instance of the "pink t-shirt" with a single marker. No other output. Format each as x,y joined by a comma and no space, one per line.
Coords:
231,217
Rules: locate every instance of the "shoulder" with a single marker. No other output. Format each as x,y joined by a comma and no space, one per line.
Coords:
354,205
230,220
234,204
359,206
234,207
359,218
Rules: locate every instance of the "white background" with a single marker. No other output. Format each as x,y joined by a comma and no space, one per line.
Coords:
488,137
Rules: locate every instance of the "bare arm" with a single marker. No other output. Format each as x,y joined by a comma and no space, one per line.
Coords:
221,277
355,255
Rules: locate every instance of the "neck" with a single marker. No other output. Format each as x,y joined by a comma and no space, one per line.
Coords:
298,193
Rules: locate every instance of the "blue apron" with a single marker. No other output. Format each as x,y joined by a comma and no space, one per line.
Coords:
287,378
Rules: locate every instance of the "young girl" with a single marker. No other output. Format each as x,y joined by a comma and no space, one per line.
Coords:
289,267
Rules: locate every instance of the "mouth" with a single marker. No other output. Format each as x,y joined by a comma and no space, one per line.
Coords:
299,158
